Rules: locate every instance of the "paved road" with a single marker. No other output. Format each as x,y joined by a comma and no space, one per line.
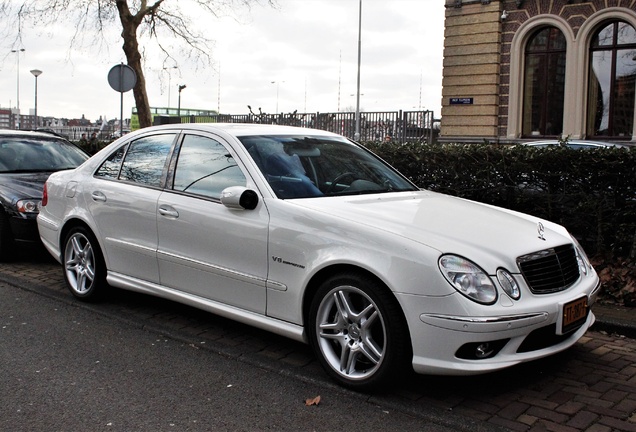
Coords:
591,387
67,368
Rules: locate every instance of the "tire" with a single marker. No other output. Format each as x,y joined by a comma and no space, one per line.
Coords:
358,332
84,267
7,243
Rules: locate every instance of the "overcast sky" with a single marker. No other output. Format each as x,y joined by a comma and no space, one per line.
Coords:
308,48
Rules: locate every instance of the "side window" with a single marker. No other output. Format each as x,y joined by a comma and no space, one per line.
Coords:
143,163
110,167
205,167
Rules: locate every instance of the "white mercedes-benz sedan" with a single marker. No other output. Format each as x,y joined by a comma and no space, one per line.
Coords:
307,234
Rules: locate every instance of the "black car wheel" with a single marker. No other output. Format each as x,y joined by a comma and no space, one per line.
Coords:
7,243
358,332
84,267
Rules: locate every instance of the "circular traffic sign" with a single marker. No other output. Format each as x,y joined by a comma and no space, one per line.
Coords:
122,78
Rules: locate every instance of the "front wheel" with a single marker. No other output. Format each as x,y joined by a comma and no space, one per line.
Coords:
84,268
358,332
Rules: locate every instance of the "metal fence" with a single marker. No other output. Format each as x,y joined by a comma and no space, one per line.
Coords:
395,126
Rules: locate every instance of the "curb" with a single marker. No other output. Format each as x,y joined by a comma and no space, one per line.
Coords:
615,319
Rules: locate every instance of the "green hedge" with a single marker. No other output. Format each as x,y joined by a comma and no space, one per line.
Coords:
591,192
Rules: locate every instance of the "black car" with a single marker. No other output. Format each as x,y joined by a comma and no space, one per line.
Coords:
26,161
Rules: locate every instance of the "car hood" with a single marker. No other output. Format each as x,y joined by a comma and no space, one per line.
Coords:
489,235
18,186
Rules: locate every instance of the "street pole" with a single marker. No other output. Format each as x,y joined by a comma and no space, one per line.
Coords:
277,89
357,133
169,83
17,52
36,73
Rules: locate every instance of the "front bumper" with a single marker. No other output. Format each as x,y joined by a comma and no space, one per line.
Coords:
465,344
24,229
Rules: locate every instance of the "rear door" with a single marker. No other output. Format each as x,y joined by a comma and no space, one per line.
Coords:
122,198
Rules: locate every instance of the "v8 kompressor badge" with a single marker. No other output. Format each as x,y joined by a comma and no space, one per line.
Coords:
282,261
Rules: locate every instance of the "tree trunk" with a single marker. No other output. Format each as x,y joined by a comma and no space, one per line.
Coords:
130,23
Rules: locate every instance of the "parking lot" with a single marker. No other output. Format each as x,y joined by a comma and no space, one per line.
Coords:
591,387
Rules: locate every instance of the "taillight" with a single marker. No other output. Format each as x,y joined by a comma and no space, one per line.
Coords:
45,196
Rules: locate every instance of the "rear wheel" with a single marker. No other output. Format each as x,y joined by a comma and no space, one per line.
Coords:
358,332
7,243
84,267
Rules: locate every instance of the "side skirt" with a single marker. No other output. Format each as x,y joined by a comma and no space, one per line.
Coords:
286,329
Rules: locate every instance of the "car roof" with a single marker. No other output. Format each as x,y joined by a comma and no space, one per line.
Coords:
243,129
29,134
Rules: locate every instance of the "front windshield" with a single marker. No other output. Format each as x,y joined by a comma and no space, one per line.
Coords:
18,154
306,166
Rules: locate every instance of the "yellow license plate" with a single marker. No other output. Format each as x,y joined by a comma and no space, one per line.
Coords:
574,313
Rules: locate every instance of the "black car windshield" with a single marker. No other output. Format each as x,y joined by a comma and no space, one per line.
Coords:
307,166
24,154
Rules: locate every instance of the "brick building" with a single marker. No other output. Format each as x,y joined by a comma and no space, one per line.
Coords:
517,70
5,118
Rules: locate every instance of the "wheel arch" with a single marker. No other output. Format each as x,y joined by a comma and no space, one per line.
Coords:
323,274
71,224
399,358
85,269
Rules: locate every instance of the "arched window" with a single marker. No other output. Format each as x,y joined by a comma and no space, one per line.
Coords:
610,106
544,83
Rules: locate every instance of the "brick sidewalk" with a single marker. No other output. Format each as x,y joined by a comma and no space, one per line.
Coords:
591,387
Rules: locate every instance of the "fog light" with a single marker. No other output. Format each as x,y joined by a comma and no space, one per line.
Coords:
483,350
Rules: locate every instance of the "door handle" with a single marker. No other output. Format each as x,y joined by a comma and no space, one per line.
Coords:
98,196
168,211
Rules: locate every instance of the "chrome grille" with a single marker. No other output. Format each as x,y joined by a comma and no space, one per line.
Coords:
550,270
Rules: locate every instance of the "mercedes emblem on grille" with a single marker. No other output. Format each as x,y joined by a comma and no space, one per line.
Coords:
541,231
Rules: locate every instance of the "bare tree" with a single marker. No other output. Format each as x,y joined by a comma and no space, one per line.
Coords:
140,20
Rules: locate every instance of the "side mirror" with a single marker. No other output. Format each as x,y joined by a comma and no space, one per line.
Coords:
239,198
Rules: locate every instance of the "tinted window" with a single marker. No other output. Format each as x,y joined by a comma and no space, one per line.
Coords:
111,166
205,167
305,166
143,162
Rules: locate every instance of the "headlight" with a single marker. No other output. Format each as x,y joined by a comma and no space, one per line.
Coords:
508,284
584,262
28,206
467,278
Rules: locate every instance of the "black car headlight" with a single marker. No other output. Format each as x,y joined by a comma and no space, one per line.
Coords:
467,278
28,206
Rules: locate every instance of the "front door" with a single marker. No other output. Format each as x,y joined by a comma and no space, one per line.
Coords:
205,248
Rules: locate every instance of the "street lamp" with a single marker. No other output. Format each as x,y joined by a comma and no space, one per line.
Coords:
181,87
17,52
36,73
